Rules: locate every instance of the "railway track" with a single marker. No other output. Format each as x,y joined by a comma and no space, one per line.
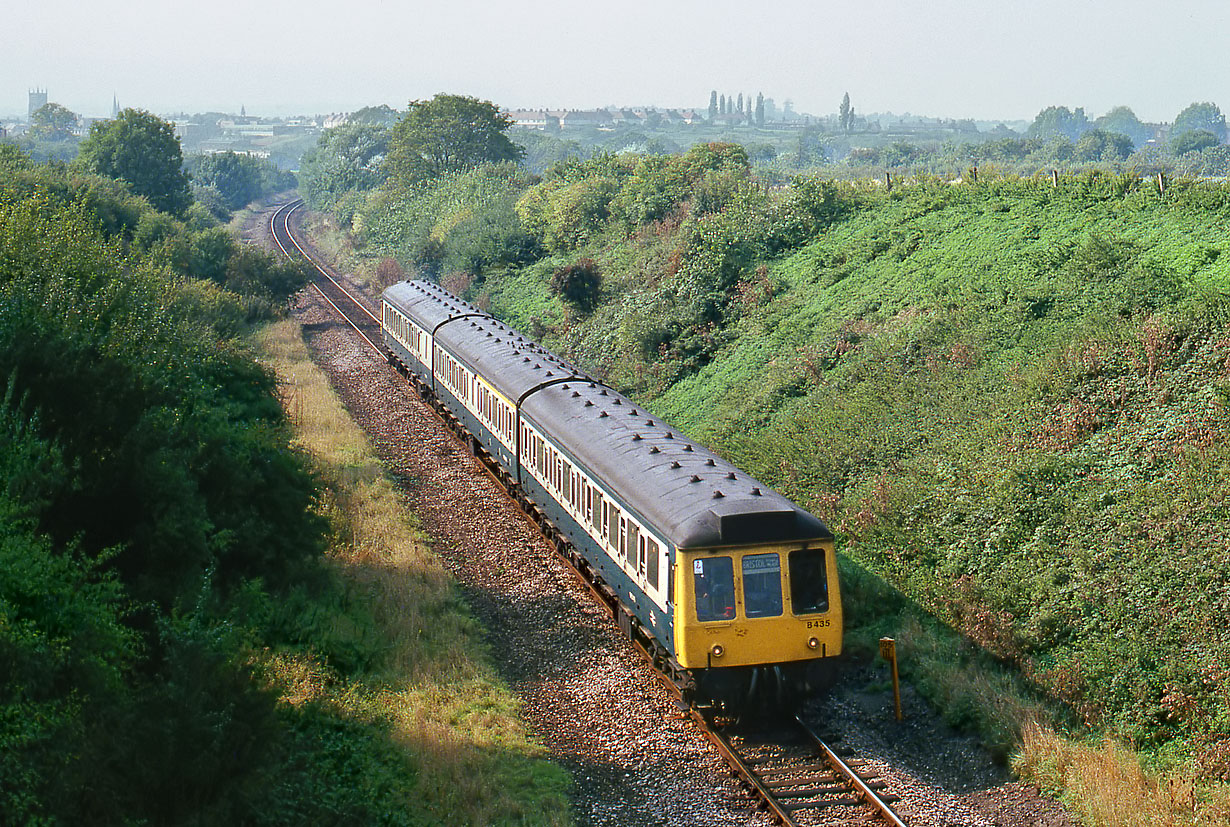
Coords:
354,308
799,778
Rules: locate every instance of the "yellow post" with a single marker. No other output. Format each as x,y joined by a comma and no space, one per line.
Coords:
888,651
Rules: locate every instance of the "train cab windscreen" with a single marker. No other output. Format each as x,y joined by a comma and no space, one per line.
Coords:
809,585
762,585
713,581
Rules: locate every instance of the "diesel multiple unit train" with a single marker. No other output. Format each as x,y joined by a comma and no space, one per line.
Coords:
732,587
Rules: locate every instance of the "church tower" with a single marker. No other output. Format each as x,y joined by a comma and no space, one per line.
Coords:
38,99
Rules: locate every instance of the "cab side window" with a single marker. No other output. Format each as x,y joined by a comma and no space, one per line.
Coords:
809,585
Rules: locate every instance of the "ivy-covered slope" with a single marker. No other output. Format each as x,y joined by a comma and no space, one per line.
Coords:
1010,399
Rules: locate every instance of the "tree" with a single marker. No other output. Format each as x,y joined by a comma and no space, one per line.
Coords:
1200,116
713,104
52,122
579,284
448,133
141,149
1100,145
759,109
345,159
1123,120
1195,140
236,177
1059,121
382,115
845,113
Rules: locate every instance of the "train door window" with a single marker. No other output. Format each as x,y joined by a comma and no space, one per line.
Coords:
636,546
651,552
614,529
809,585
713,580
762,585
599,511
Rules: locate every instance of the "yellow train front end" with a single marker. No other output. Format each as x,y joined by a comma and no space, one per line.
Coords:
751,620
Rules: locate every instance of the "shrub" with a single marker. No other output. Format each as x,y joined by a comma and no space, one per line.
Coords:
580,284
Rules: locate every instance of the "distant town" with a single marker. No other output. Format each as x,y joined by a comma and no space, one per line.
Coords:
285,139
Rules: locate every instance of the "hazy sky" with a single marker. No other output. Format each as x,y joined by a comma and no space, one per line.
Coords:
952,58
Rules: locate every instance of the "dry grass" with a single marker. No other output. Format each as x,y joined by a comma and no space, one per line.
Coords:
1105,786
475,760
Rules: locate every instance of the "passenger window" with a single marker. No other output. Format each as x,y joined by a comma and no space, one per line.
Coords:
809,585
652,551
713,580
762,585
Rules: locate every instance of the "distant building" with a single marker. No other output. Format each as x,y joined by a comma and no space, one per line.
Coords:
580,118
38,99
532,119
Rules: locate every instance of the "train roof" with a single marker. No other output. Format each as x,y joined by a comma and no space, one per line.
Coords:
689,494
696,498
511,363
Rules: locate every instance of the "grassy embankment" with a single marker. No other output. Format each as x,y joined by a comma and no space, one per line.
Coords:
428,679
1009,400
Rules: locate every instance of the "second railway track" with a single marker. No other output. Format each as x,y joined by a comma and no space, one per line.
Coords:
797,777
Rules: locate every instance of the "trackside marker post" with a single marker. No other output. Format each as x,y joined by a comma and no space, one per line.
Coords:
888,651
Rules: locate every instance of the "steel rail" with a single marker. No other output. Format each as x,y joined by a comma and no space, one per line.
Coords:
284,212
869,795
736,762
290,208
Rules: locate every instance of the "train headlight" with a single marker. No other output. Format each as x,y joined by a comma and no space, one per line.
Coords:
718,650
812,643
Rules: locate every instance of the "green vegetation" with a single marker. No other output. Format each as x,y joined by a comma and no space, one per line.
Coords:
53,122
232,181
346,160
449,133
141,149
201,618
1009,398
